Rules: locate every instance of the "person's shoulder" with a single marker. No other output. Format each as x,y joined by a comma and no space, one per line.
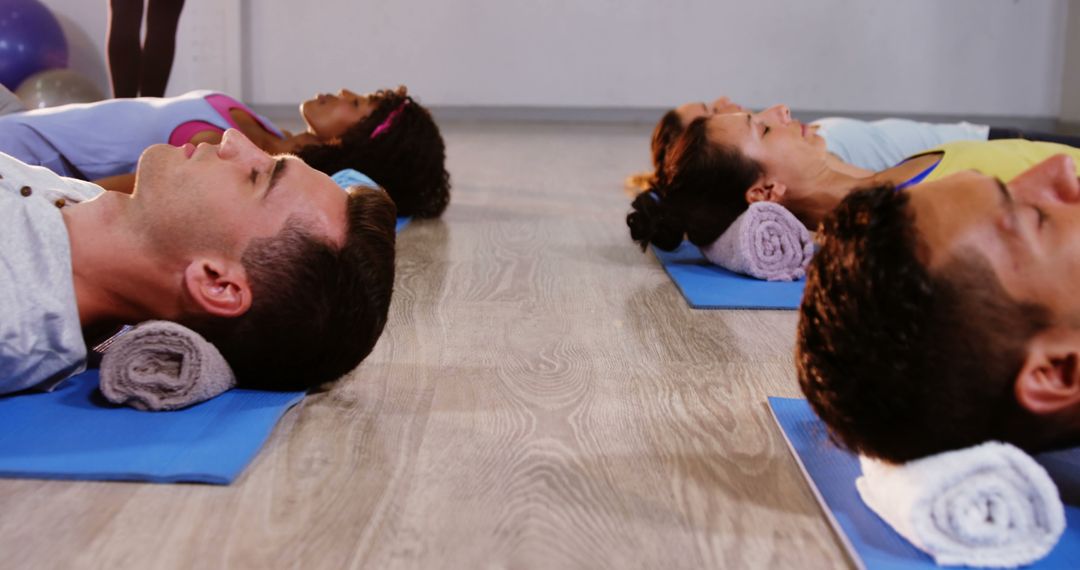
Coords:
39,362
845,128
839,122
18,177
41,327
196,94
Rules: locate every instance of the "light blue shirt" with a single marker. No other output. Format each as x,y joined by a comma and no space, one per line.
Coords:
878,145
91,141
350,177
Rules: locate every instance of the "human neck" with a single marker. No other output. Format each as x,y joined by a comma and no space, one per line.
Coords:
116,280
907,170
838,179
823,191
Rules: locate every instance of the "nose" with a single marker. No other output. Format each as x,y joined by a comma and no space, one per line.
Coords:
724,105
235,147
778,113
1052,180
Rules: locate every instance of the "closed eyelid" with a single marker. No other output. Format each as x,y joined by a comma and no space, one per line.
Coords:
275,173
1007,201
1006,196
280,164
1008,204
751,125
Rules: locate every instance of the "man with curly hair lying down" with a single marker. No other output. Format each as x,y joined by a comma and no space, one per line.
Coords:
945,315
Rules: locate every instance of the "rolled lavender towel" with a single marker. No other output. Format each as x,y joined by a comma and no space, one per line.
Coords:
990,505
767,242
160,365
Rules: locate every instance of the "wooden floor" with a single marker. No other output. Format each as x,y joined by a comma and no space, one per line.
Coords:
542,398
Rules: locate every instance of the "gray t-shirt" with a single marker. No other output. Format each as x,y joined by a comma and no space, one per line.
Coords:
41,340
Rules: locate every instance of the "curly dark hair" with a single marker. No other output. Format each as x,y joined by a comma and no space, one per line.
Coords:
408,159
901,362
699,193
316,309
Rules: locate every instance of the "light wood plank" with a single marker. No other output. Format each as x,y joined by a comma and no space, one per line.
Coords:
542,398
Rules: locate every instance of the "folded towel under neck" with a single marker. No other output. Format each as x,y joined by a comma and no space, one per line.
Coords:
990,505
161,365
766,241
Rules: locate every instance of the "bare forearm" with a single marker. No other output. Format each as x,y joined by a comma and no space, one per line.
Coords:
121,183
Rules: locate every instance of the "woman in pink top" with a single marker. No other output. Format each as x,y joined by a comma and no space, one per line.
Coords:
387,135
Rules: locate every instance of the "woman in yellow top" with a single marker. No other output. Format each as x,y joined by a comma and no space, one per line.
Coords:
724,162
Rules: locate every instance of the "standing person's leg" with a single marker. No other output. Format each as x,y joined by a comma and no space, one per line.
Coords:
162,18
124,47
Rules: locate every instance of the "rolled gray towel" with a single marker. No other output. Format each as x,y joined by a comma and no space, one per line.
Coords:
160,365
766,241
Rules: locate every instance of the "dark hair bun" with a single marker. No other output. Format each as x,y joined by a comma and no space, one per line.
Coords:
649,223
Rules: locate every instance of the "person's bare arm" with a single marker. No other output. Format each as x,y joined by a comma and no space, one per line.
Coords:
120,183
209,137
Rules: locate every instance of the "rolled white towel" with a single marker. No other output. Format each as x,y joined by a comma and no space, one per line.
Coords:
766,241
990,505
161,365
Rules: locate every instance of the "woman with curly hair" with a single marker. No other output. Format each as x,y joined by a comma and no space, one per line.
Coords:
387,135
398,145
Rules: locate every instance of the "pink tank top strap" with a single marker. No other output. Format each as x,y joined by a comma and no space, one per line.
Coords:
183,134
223,104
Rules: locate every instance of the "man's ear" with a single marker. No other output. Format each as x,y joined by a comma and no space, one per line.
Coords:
219,287
765,190
1049,381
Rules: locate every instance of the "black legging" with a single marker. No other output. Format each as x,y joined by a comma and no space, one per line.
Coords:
142,70
1011,133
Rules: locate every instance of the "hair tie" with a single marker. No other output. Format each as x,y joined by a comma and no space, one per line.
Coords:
655,197
385,125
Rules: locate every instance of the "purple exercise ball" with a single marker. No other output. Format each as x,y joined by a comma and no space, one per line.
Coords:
31,40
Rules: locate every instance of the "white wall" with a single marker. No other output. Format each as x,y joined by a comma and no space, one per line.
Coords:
975,57
1070,90
208,43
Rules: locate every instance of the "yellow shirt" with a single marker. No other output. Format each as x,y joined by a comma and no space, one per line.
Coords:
1002,158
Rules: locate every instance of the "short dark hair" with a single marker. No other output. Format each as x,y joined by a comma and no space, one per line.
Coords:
408,158
316,309
901,362
699,193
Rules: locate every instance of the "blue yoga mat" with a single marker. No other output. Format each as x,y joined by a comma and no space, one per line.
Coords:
707,286
74,433
347,177
832,471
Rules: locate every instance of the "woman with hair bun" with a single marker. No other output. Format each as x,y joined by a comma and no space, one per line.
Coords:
722,163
